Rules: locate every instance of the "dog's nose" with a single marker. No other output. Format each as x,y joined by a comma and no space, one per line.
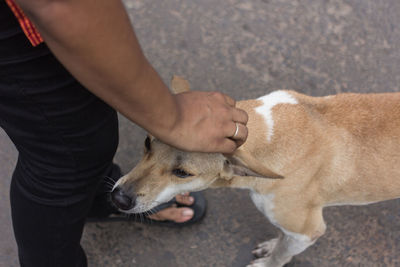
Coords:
122,200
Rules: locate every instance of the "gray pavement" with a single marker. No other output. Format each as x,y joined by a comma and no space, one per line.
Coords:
247,49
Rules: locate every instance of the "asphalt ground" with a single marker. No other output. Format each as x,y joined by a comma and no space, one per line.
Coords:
247,49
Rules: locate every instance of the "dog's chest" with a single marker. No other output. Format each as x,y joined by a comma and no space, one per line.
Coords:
265,204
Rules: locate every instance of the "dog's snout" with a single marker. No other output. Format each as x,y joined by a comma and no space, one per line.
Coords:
122,200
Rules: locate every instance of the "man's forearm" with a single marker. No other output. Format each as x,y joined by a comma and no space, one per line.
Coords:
95,41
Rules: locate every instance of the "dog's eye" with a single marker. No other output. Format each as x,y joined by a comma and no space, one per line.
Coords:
181,173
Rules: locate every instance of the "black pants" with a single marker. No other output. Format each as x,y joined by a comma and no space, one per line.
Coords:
66,139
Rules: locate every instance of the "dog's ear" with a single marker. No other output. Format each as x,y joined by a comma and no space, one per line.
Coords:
179,85
233,166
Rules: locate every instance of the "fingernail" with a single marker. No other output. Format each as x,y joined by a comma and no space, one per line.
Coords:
187,212
191,199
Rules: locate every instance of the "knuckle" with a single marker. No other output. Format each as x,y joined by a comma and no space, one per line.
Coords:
225,114
219,96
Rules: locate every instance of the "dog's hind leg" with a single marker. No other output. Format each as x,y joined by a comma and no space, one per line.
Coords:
304,231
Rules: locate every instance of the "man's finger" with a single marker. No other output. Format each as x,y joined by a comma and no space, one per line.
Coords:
228,146
239,115
231,102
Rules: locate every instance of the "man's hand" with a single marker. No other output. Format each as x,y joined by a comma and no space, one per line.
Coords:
207,122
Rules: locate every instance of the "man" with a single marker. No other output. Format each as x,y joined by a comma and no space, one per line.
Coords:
59,107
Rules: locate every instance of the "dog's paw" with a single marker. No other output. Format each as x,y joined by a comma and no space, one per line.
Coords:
265,249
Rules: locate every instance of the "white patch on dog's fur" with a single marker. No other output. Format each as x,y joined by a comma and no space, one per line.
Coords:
296,243
269,101
282,250
287,246
265,204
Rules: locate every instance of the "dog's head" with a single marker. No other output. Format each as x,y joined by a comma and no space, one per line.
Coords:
165,171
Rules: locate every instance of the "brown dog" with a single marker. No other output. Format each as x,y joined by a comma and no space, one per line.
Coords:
302,154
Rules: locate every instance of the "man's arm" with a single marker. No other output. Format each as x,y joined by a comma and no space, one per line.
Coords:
95,41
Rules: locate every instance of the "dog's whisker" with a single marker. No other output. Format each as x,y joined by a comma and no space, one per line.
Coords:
109,186
110,179
109,182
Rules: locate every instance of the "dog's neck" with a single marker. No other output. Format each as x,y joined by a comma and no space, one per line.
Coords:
243,182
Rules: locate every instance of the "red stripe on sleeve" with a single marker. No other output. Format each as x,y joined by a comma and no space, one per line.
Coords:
27,26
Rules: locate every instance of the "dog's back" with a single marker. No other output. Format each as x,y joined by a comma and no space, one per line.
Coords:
349,144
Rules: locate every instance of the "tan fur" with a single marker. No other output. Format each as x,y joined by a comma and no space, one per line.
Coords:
335,150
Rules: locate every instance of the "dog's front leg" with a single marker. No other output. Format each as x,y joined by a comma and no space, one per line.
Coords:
306,226
279,251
